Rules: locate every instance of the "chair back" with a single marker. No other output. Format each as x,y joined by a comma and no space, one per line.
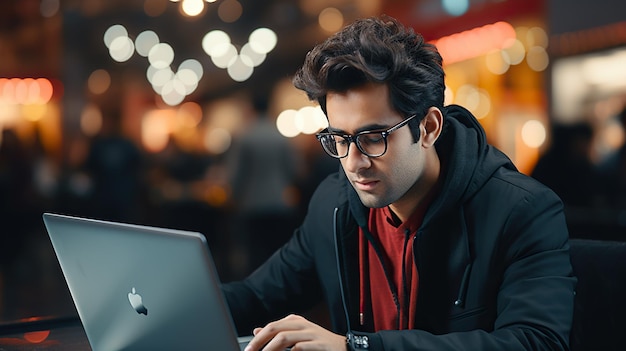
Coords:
600,302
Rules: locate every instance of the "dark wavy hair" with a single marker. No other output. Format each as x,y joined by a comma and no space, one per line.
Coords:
376,50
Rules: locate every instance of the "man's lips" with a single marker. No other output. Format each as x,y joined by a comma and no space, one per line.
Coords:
365,185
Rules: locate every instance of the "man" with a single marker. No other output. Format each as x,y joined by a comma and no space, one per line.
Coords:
428,238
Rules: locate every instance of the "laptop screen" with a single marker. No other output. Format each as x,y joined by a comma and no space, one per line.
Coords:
140,287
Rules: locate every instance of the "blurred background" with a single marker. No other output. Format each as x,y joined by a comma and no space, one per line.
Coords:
181,114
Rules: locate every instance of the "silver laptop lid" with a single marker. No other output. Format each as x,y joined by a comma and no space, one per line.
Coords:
142,288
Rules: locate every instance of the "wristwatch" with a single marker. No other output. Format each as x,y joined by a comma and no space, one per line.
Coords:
357,342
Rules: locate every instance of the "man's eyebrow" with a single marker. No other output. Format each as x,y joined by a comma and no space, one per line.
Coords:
369,127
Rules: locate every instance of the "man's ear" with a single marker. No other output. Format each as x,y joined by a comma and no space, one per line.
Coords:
432,124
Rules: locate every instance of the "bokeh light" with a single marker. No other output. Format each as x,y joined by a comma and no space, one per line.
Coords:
286,123
113,32
537,58
155,130
533,133
263,40
121,49
189,114
330,19
193,65
475,99
217,140
21,91
537,36
255,57
455,7
240,70
189,80
475,42
91,120
34,112
192,7
36,337
305,120
229,11
515,52
310,119
145,41
226,57
173,92
239,65
497,62
215,43
99,81
161,55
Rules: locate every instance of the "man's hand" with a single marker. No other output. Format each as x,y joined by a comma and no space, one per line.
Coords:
298,333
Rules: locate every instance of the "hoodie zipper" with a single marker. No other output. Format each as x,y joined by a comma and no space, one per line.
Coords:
462,294
460,301
401,311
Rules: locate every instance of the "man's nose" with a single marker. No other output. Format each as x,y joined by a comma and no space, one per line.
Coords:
356,160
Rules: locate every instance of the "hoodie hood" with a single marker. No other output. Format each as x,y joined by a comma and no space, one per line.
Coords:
467,160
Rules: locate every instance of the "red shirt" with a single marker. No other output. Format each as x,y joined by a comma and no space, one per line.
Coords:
389,279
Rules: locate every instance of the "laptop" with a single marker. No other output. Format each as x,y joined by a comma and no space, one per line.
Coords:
142,288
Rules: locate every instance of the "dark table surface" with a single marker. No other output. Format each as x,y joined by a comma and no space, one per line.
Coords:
44,333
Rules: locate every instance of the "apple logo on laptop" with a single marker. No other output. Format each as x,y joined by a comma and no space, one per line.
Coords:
137,302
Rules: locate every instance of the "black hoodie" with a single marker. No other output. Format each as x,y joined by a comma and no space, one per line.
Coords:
492,255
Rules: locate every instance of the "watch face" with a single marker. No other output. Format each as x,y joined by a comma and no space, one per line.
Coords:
357,342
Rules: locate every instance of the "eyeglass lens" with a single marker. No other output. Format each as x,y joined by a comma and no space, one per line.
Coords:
371,144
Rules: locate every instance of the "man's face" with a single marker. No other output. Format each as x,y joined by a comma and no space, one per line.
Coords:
383,180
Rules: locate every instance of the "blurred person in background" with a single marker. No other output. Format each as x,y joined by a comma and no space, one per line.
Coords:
566,167
613,174
428,238
263,168
16,191
114,165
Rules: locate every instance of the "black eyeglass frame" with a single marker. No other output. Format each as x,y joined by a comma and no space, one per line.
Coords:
355,138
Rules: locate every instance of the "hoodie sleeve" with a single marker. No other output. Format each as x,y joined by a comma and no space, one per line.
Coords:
289,281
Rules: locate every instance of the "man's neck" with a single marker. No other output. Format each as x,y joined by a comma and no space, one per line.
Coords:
420,191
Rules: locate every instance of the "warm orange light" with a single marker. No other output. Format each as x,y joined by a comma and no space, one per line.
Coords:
189,114
45,90
8,91
99,81
37,336
216,195
34,112
26,91
156,129
330,19
475,42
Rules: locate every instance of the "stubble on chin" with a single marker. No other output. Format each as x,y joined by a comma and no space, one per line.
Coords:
370,200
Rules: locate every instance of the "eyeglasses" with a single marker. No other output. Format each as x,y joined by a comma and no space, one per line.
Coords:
370,143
